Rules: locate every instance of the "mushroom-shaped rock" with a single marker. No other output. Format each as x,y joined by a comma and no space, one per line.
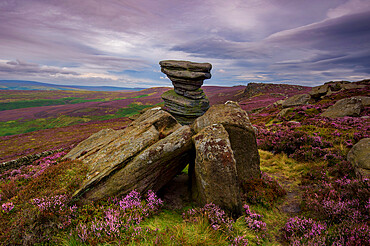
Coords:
215,177
241,134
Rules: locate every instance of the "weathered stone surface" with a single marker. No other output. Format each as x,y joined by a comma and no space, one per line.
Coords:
150,126
241,133
185,110
93,144
359,157
215,173
296,100
151,169
186,65
364,100
186,74
196,95
344,107
319,91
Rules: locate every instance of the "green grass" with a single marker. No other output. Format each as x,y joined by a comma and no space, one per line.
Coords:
44,102
60,101
20,126
17,127
172,230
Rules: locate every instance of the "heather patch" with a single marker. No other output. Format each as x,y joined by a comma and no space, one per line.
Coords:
12,147
118,220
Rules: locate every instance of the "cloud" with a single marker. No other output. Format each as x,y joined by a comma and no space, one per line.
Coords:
251,40
23,68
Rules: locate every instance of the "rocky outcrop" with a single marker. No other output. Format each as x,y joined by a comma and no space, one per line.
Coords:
215,175
151,169
154,148
344,107
187,101
359,157
108,152
334,86
241,134
364,100
296,100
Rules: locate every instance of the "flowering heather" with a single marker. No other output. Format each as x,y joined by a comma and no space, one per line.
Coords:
287,138
303,231
216,217
253,220
33,170
7,207
239,241
339,200
56,206
120,220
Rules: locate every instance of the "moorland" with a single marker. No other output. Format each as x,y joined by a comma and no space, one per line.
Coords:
308,194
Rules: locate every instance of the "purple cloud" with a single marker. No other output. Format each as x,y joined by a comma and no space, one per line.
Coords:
307,42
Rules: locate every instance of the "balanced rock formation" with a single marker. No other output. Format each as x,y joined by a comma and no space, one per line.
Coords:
344,107
359,157
215,175
220,149
241,134
145,155
187,101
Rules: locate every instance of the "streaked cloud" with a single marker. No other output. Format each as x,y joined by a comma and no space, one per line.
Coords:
119,42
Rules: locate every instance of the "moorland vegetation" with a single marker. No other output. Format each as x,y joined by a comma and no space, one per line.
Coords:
308,194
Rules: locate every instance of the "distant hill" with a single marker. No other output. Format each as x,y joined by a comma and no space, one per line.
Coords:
33,85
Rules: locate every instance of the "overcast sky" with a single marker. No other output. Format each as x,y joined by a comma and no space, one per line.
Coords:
120,42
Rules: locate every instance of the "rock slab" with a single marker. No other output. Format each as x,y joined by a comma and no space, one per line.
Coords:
359,157
344,107
215,175
155,140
